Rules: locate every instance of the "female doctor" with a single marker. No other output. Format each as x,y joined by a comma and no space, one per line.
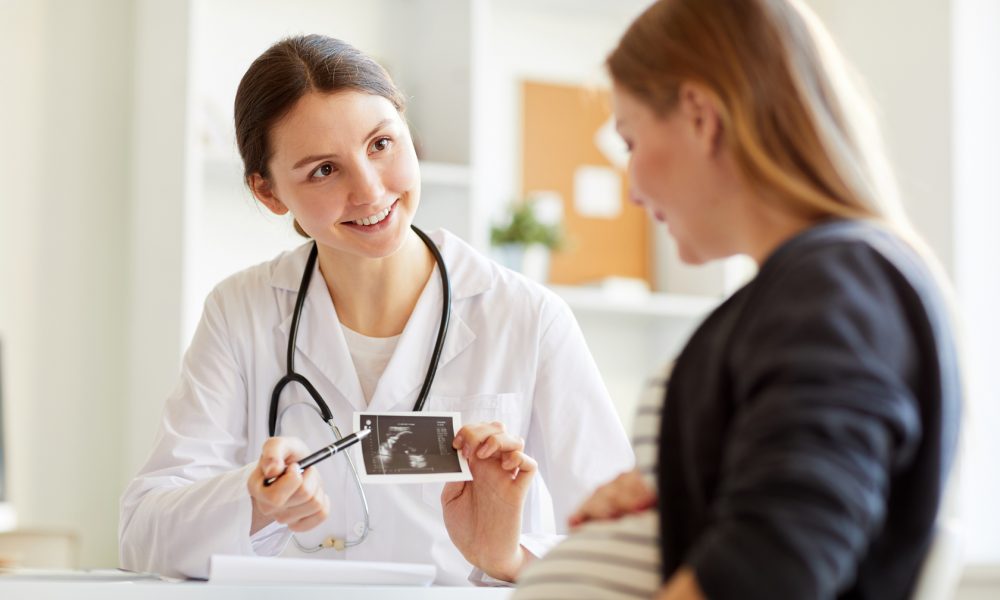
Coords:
321,132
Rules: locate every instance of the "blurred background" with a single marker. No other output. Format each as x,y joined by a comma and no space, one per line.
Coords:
123,203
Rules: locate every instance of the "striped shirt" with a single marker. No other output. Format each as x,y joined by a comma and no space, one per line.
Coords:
611,560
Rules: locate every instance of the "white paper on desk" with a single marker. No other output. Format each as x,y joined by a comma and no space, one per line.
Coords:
228,569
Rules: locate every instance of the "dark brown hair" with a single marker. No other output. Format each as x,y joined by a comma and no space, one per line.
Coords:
286,72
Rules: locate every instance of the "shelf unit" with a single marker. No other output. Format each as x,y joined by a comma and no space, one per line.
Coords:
652,305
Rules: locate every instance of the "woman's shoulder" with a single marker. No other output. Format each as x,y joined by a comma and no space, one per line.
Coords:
848,285
854,264
852,243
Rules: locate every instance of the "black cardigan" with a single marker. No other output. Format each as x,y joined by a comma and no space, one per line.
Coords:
811,424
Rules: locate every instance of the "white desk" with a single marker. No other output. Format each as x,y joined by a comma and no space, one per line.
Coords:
156,590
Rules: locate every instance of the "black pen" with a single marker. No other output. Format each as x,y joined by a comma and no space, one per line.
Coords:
325,452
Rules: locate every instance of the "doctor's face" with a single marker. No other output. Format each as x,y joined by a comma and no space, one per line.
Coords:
344,165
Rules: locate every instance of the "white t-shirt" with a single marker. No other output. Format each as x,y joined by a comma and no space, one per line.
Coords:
370,355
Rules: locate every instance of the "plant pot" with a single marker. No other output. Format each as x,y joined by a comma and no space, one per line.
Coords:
532,260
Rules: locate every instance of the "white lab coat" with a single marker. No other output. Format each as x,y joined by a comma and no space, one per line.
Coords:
513,353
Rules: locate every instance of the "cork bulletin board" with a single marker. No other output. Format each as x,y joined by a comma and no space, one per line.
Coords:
558,128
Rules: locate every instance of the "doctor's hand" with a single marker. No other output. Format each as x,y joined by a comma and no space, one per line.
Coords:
625,494
483,516
294,499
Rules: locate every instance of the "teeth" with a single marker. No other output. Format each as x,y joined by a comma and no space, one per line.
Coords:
374,218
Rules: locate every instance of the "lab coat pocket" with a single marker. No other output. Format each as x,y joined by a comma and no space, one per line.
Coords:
508,408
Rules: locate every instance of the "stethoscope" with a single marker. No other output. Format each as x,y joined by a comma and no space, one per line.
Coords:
321,407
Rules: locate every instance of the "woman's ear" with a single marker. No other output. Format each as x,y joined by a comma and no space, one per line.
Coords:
702,112
264,193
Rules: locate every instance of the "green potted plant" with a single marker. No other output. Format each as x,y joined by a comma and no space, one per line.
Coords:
525,241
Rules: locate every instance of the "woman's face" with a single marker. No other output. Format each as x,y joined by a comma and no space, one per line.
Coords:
344,165
673,174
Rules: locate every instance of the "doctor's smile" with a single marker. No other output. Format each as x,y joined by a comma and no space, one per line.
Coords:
374,222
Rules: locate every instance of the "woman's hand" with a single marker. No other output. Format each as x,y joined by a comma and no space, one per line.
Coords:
625,494
682,586
483,516
294,499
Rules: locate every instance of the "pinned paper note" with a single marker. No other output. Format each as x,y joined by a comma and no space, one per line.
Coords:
597,192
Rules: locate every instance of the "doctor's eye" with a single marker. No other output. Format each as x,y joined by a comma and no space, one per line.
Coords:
380,145
324,170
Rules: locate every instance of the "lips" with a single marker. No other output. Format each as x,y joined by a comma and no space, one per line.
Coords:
373,219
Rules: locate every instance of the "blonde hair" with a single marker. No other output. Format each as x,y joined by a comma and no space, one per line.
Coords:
794,118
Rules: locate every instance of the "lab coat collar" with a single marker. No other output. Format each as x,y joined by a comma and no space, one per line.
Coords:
322,341
470,272
406,370
321,338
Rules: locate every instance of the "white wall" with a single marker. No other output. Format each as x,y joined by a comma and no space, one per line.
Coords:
160,201
65,156
21,62
903,50
976,164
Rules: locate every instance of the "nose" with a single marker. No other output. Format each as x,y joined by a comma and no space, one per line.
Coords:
367,185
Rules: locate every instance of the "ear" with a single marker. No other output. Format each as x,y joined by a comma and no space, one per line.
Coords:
701,110
264,193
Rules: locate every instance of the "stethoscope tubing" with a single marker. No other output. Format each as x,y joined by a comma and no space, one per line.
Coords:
324,410
290,373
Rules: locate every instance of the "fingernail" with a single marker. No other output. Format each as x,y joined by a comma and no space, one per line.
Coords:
457,442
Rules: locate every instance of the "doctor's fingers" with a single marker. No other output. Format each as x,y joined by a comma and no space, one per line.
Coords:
518,463
472,435
305,516
497,444
486,440
310,488
270,499
278,452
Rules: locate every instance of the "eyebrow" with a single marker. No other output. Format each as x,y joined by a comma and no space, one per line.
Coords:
315,157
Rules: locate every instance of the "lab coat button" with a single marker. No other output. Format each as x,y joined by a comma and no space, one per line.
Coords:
359,528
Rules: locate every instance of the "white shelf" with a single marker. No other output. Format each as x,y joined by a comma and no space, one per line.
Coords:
653,304
439,173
